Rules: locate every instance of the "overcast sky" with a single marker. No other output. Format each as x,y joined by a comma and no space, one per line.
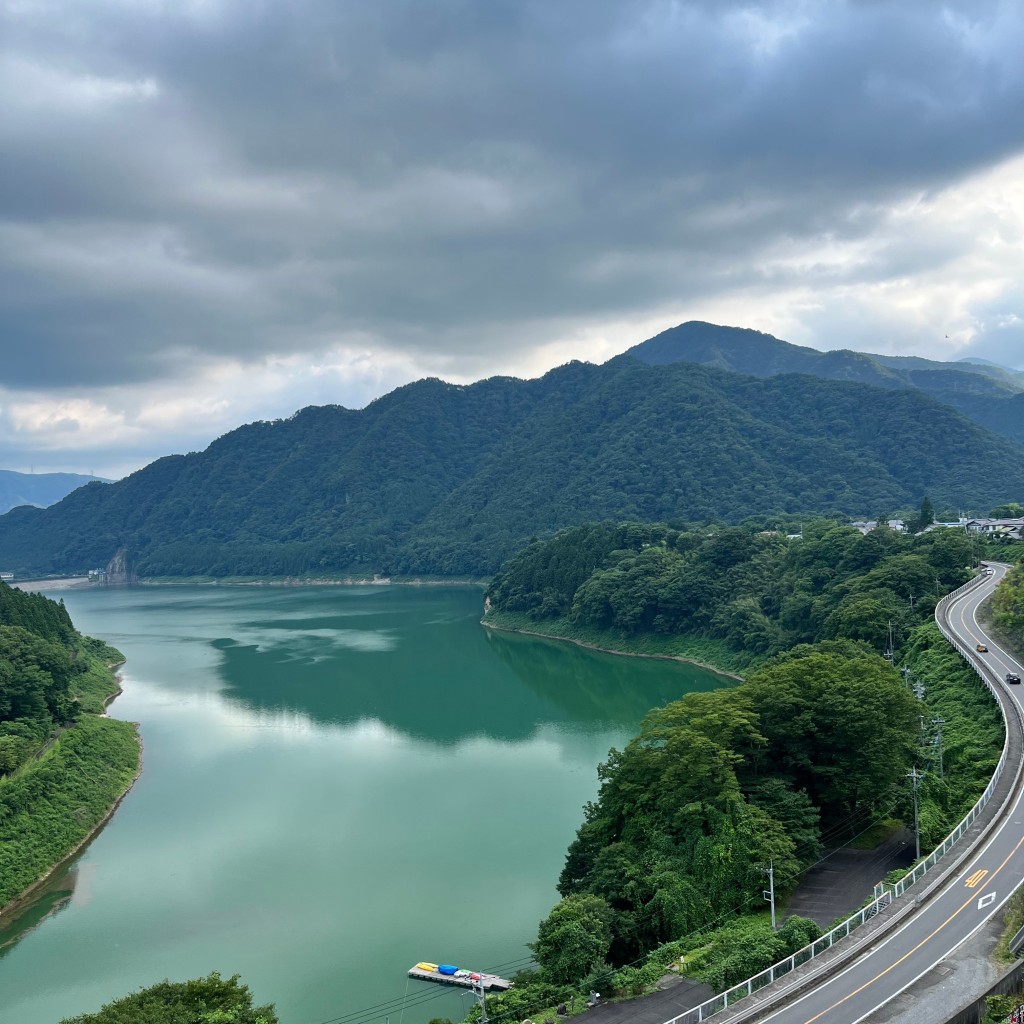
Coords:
216,211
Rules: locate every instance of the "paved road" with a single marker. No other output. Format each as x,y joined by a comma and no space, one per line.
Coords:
970,899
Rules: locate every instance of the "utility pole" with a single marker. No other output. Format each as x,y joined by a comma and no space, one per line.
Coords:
917,777
769,893
939,723
906,676
890,651
482,996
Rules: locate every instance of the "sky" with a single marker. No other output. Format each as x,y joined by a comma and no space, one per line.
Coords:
220,211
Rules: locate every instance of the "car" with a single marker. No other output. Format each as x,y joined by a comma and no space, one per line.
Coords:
1012,677
982,648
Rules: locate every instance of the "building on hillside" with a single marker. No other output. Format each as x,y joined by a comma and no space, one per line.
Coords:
867,525
1004,529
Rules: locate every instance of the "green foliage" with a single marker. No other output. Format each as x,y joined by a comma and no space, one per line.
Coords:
1008,605
741,948
574,938
209,1000
717,785
819,709
435,479
1009,510
740,593
531,996
52,804
37,614
972,734
1013,921
999,1008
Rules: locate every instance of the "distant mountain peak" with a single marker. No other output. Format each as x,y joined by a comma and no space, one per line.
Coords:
39,489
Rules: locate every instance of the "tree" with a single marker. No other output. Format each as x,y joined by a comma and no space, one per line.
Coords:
839,724
1011,510
573,940
926,516
209,1000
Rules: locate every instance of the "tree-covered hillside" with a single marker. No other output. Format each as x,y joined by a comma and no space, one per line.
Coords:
37,488
450,480
61,765
753,591
990,395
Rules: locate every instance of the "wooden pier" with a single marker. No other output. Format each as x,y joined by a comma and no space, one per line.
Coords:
464,978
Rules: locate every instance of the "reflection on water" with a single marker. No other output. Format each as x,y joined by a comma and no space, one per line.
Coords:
52,897
471,682
338,783
588,686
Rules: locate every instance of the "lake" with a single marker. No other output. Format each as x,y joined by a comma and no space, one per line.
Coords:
338,782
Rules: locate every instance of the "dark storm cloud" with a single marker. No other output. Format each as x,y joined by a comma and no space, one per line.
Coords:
237,179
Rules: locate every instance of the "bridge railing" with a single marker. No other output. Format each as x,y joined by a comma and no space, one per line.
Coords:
885,892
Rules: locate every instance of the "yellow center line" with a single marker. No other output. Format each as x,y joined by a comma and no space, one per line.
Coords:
927,938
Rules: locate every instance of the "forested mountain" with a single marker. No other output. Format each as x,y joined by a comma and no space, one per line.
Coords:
991,395
442,479
40,489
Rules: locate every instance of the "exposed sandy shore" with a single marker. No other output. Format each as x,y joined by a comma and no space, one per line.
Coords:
66,583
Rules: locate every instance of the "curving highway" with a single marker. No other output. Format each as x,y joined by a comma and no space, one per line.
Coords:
965,902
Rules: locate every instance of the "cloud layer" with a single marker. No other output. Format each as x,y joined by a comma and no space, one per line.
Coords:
221,210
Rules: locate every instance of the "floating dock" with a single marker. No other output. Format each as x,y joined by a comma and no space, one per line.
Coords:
464,978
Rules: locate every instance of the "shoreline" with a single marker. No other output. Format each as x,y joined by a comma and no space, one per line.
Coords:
11,910
81,582
608,650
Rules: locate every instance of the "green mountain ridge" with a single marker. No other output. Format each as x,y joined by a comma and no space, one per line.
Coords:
440,479
989,394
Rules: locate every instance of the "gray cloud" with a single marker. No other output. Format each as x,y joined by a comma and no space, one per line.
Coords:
187,183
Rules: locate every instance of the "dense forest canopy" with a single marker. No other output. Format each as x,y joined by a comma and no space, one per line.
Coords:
719,785
758,590
435,479
209,1000
36,667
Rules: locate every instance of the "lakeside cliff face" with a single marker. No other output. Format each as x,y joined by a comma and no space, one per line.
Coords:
448,481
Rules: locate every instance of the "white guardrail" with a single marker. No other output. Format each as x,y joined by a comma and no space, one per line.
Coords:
885,892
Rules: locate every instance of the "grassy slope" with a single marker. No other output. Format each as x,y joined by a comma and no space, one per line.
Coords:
52,805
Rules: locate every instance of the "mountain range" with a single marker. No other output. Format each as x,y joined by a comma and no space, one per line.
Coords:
450,480
991,395
39,489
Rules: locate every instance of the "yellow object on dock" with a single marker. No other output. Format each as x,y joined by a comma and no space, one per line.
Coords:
467,979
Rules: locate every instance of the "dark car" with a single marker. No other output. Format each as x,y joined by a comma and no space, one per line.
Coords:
982,648
1012,677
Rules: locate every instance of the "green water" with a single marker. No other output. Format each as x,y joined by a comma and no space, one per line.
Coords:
339,782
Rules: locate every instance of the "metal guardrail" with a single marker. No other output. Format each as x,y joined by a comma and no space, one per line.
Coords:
885,892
